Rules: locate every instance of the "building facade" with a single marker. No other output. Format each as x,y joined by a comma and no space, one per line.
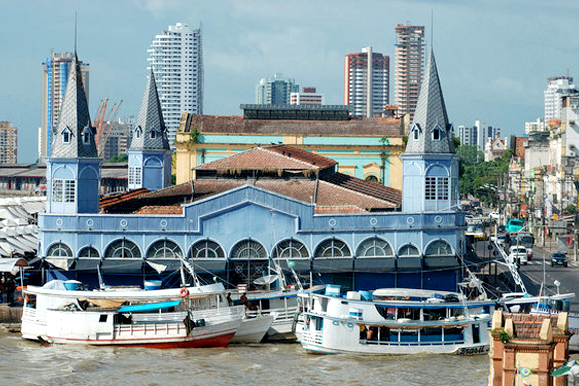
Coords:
275,90
466,134
277,205
307,97
367,82
8,143
557,87
408,67
55,71
484,132
365,148
176,58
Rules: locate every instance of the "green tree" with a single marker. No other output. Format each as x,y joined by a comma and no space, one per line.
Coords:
119,158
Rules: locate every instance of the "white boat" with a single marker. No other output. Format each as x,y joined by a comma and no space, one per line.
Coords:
280,304
205,303
394,321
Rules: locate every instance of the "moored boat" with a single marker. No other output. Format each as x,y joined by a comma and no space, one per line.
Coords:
394,321
201,302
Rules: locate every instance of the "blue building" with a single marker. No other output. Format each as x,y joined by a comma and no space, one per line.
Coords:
268,204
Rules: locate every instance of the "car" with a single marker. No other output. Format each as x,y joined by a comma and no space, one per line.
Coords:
501,239
501,228
479,211
558,258
494,214
518,254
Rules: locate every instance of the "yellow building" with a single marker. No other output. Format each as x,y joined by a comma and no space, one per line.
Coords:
366,148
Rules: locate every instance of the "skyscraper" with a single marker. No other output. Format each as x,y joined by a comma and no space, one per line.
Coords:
8,143
557,87
275,90
408,67
367,82
176,58
54,79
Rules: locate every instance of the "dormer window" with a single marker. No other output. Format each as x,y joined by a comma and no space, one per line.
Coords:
436,135
66,134
86,136
153,134
138,132
416,134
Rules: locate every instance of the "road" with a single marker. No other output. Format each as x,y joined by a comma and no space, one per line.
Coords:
539,270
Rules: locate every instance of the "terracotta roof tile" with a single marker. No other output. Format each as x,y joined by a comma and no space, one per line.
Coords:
366,187
160,210
371,127
116,198
280,157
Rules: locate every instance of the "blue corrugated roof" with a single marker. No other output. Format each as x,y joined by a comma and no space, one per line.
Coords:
149,306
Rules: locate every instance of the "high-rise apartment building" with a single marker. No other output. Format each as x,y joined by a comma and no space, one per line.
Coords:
367,82
466,134
532,127
8,143
176,58
307,97
275,90
55,72
484,132
408,67
557,87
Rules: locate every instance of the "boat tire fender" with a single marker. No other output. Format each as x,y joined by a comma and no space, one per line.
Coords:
184,292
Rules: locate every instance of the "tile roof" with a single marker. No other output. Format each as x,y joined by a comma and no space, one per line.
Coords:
150,118
160,210
528,326
116,198
74,117
279,157
430,112
236,125
366,187
331,197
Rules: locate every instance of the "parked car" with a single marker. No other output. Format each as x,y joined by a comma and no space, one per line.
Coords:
558,258
494,214
479,211
518,254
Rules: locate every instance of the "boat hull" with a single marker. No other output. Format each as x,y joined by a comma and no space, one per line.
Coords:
253,330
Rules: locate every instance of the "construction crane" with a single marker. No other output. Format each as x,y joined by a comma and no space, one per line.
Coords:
108,127
104,123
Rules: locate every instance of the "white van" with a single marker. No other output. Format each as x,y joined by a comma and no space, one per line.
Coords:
518,253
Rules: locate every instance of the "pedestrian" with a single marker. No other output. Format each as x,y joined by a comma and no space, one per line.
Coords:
229,300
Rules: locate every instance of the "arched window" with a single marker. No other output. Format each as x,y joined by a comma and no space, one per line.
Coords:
438,248
123,249
291,249
372,178
164,249
408,250
206,249
59,250
89,252
375,247
332,248
248,249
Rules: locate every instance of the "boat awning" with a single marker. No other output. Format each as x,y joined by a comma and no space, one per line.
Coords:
149,306
12,265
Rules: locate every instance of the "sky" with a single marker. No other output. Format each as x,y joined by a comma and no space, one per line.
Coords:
493,57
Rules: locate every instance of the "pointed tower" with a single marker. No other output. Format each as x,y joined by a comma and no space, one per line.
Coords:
149,153
73,166
430,164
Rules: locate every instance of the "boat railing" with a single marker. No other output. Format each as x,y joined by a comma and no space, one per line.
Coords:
220,314
281,313
159,317
163,328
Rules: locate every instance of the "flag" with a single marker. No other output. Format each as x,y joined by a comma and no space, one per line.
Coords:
571,367
525,371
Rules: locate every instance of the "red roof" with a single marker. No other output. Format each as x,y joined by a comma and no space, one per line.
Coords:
116,198
280,157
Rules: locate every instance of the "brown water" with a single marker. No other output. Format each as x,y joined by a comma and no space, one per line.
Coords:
27,363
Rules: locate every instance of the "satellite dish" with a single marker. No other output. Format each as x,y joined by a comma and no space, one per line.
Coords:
264,280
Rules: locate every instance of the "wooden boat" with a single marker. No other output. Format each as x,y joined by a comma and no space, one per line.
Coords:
158,325
393,321
205,303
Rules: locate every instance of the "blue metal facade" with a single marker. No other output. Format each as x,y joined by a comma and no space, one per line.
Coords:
251,213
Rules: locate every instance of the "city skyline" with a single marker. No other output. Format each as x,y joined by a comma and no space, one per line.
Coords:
494,59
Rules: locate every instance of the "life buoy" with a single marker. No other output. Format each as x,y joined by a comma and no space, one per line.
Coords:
184,292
